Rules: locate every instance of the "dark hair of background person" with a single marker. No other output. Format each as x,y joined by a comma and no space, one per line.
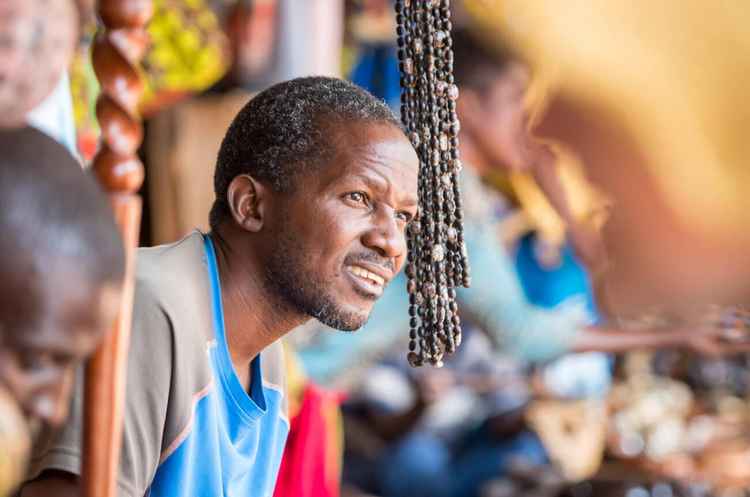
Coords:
476,64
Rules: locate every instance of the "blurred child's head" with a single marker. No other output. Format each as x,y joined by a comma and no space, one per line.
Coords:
61,269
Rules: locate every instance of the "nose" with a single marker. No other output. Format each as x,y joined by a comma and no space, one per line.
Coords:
385,237
50,403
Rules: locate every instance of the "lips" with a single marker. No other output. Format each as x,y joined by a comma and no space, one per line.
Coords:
367,282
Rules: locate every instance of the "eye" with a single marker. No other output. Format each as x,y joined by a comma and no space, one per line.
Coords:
34,360
405,216
358,198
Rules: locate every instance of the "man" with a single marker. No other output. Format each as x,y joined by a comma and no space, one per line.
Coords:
315,185
61,267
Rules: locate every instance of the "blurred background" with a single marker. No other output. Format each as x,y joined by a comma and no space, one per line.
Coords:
647,106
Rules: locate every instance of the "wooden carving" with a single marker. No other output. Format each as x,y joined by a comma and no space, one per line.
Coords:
117,51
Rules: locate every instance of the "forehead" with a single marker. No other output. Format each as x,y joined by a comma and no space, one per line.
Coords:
374,150
67,315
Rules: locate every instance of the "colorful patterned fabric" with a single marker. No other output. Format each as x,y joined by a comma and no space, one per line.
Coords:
189,51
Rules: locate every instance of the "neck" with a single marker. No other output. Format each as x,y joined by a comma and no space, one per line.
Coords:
254,317
472,156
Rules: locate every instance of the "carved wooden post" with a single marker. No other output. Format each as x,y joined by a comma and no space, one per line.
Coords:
117,50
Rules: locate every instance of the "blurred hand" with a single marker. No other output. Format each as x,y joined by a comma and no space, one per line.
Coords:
712,342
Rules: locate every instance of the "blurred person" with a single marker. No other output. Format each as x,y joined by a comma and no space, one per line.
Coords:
308,222
33,31
497,142
60,276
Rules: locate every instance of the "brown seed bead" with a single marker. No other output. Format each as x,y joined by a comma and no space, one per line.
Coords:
409,66
418,47
438,253
440,39
414,359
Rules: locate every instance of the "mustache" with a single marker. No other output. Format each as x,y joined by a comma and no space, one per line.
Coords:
373,258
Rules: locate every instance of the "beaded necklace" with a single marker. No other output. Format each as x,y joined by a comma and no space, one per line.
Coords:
437,260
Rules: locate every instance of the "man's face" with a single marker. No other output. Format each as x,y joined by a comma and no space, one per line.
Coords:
501,124
38,359
339,236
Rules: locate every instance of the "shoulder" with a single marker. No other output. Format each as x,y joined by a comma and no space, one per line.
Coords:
172,320
163,271
173,279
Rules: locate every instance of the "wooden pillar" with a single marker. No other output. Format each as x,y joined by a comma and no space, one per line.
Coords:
117,51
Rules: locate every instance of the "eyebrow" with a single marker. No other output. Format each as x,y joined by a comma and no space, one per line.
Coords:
380,182
35,343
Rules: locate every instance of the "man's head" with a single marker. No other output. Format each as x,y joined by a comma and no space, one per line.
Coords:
61,267
491,108
320,182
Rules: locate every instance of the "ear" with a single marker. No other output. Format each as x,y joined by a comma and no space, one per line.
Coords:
469,107
247,200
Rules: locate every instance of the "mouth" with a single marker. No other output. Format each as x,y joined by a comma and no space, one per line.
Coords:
368,282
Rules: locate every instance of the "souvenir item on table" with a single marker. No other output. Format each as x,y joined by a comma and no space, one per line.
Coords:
694,430
563,424
437,262
15,444
526,480
649,412
32,31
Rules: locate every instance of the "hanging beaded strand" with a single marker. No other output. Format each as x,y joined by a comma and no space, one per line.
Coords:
437,260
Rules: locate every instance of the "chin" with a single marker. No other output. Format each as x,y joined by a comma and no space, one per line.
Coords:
344,317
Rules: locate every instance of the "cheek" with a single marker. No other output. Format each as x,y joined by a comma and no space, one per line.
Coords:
401,261
10,375
329,234
20,382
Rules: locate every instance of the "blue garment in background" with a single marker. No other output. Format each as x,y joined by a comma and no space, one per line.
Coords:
549,287
377,71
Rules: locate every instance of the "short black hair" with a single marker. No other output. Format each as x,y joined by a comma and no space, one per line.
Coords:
286,128
53,215
478,64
